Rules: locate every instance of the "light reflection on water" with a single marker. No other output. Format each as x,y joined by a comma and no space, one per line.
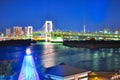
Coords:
50,54
106,59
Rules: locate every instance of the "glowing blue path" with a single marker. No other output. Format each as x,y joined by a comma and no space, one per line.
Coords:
28,71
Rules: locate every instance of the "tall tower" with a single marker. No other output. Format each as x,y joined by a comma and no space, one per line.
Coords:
84,28
28,30
48,26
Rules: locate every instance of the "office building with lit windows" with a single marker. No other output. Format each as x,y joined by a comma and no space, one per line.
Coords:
18,31
8,32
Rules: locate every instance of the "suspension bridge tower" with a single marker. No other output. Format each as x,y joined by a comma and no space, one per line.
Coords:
48,27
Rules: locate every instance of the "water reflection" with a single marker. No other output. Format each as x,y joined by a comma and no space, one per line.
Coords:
48,55
92,59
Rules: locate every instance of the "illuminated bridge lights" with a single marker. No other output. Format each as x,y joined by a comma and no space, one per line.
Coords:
41,35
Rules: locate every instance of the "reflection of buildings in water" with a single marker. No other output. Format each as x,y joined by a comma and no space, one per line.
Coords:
116,63
96,60
109,63
48,55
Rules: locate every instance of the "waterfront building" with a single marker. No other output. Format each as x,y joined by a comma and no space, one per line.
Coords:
116,31
18,31
106,31
65,72
8,32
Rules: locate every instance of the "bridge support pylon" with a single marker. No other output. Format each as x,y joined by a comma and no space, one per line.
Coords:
48,26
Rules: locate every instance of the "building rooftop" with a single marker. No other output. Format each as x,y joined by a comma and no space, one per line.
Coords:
63,70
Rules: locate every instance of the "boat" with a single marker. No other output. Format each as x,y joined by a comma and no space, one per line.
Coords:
93,43
18,42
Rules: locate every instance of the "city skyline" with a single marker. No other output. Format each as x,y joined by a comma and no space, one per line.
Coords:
66,15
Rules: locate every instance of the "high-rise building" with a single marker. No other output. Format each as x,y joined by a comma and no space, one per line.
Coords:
28,30
8,32
18,31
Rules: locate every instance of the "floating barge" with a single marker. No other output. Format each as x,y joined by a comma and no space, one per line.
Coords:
93,43
16,42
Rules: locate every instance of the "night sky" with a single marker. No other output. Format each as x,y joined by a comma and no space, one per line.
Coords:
65,14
